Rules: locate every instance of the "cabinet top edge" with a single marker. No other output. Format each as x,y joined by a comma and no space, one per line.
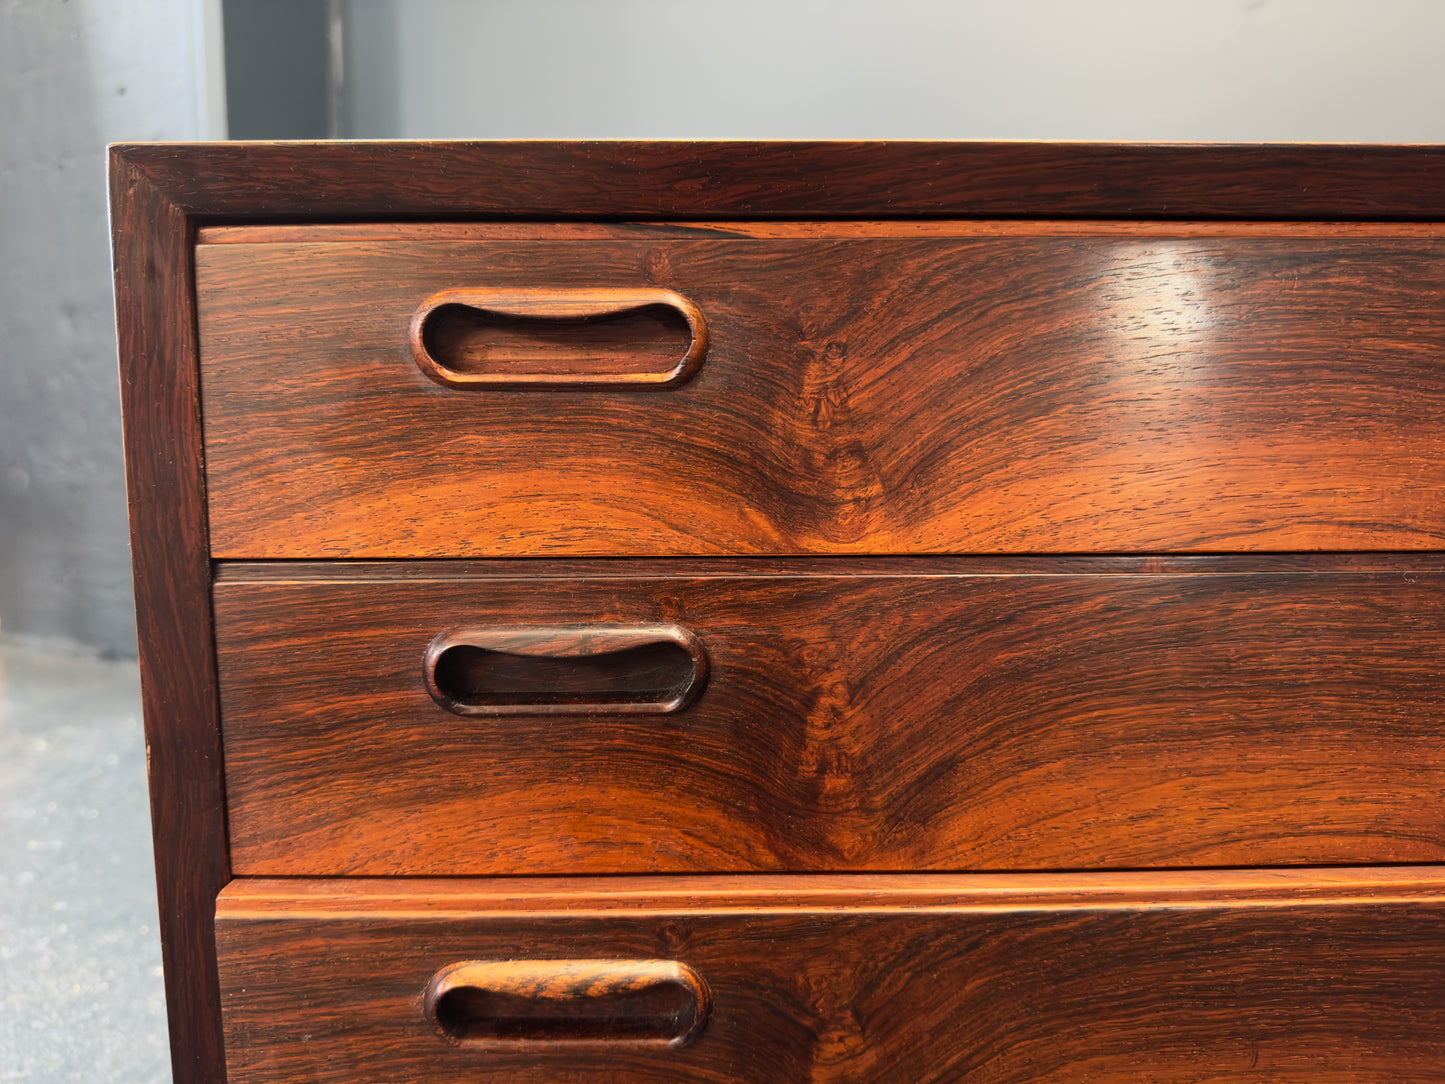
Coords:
665,180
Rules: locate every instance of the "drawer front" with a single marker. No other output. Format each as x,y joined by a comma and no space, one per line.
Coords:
1318,978
877,394
910,718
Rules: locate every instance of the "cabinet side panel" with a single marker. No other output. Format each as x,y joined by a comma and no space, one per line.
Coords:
155,316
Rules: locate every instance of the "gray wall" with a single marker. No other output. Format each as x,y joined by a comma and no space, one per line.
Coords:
1334,70
278,68
73,76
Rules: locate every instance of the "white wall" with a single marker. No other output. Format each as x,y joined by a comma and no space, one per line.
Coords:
1246,70
74,76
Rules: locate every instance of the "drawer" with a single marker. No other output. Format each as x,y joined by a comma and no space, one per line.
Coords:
831,714
864,388
1308,976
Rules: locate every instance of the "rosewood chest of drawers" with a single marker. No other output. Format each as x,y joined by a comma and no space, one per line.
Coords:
791,612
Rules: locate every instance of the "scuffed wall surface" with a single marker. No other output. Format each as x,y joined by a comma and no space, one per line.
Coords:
73,76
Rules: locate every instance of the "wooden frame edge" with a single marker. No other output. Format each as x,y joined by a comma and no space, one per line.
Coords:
677,180
155,321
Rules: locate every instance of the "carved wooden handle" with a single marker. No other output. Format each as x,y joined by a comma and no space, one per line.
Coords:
468,338
546,1002
565,669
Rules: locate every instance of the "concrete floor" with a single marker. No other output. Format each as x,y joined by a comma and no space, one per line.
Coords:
80,964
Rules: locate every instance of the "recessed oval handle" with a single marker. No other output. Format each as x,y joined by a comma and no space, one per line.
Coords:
565,669
554,1002
643,337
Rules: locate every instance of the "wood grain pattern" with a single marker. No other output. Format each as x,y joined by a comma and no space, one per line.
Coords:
155,320
277,182
1333,977
564,669
483,339
850,722
979,986
349,232
523,568
559,1004
880,396
459,897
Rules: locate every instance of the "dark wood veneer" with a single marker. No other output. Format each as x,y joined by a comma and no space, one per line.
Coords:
544,568
527,230
1318,975
155,316
1045,394
539,179
162,194
850,721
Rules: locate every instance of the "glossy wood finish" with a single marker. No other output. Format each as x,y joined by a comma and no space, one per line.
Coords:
913,719
226,182
929,395
155,317
256,898
631,568
350,232
485,339
518,1004
1322,975
572,669
163,195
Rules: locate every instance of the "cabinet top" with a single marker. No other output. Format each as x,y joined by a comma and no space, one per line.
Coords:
657,181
